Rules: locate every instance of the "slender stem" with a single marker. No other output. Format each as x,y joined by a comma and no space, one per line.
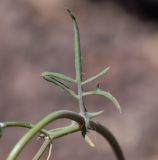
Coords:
96,76
22,124
41,150
57,133
50,151
109,137
78,64
105,94
62,85
41,124
65,131
102,130
58,76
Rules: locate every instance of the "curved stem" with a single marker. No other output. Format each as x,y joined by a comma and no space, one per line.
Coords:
100,92
50,151
102,130
109,137
57,133
22,124
46,120
62,132
41,150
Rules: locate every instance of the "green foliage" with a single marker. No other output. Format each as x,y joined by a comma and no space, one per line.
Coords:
81,121
56,77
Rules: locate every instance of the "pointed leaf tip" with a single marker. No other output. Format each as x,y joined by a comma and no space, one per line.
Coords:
94,114
89,141
71,14
99,91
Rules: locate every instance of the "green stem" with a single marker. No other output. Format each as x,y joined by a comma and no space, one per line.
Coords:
96,76
109,137
95,127
100,92
62,132
66,130
57,133
78,64
41,150
58,76
46,120
22,124
62,85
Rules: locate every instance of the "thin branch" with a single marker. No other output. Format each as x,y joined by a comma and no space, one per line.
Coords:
42,149
22,124
63,86
105,94
96,76
50,151
58,76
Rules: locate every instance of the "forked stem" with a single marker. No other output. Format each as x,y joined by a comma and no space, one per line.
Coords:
83,119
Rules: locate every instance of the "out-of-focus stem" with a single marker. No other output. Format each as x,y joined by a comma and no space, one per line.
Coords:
102,130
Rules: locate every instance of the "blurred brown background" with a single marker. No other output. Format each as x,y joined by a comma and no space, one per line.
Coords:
36,36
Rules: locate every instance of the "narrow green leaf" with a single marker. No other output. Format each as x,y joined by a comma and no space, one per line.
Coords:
78,66
60,84
100,92
96,76
58,76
